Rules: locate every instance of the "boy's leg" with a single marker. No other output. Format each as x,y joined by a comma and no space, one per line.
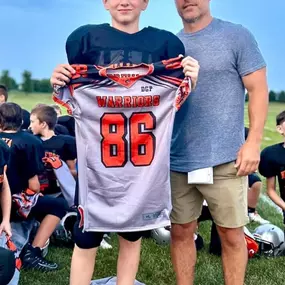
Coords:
84,254
129,257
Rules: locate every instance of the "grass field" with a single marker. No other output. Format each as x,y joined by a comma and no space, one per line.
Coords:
155,267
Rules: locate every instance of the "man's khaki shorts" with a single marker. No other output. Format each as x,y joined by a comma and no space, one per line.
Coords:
226,198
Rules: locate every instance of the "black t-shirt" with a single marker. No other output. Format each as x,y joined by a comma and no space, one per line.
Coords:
272,164
62,146
25,160
103,44
68,122
61,130
65,148
4,157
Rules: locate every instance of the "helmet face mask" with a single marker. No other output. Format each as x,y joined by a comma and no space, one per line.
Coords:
271,240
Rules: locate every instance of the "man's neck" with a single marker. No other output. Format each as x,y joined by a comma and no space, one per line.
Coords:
199,25
130,29
47,134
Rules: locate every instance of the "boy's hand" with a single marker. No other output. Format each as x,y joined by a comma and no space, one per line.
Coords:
6,228
61,75
191,69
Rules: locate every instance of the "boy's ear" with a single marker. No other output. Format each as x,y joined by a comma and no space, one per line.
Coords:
106,4
145,4
279,130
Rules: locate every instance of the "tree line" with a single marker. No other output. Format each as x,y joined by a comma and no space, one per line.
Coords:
28,84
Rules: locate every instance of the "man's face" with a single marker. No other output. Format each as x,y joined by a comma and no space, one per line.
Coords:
192,10
125,11
35,125
281,128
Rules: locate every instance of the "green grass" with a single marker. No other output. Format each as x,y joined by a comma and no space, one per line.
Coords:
155,267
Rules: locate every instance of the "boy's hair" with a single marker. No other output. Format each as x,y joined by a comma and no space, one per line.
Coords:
46,114
280,118
11,117
4,91
56,107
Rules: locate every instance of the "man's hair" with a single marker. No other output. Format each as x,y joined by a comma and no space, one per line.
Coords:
4,91
56,107
46,114
11,117
280,118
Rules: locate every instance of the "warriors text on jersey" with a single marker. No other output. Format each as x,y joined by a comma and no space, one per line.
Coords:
124,117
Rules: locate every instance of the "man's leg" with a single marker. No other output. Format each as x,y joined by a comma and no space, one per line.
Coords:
186,208
84,254
129,258
227,201
234,255
183,252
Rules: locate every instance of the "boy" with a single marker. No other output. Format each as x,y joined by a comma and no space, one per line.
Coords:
23,167
272,165
102,45
43,121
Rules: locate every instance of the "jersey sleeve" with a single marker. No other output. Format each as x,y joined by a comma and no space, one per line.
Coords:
267,167
63,96
182,93
69,148
174,46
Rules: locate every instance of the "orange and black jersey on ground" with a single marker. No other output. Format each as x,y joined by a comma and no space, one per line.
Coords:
103,45
25,160
272,164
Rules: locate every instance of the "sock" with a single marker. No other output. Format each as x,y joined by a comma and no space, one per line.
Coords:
251,210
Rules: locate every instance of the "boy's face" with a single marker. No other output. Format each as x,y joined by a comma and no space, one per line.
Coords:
125,11
35,125
192,10
281,129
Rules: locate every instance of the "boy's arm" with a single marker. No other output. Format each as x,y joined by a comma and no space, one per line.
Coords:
34,184
272,194
72,167
5,200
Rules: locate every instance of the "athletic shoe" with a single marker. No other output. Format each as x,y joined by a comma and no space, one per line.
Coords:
32,259
255,217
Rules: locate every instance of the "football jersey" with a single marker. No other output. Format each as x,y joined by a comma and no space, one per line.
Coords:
124,116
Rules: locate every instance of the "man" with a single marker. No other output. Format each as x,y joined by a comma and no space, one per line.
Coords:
272,165
23,167
104,45
208,137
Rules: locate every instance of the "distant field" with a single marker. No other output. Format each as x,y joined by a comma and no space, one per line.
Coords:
155,267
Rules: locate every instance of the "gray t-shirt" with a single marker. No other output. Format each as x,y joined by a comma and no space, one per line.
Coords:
209,128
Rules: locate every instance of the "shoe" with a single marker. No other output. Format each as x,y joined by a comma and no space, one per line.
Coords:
32,259
255,217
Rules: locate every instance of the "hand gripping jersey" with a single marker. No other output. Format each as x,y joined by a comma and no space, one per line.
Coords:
124,118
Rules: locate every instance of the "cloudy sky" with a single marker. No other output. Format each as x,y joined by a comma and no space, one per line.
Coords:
33,32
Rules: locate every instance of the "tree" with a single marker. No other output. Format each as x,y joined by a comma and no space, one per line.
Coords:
27,85
272,96
282,96
5,79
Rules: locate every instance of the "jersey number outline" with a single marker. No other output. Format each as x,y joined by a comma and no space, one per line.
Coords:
115,149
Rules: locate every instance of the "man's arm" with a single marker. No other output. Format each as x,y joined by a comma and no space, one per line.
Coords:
249,155
272,194
5,200
256,85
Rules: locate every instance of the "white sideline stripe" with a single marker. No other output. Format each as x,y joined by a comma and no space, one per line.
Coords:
267,200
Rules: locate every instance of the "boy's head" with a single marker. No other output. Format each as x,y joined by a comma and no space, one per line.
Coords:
125,12
3,94
57,109
280,123
11,117
42,118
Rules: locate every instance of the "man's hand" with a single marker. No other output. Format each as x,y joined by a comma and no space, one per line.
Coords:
61,75
6,227
248,159
191,69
